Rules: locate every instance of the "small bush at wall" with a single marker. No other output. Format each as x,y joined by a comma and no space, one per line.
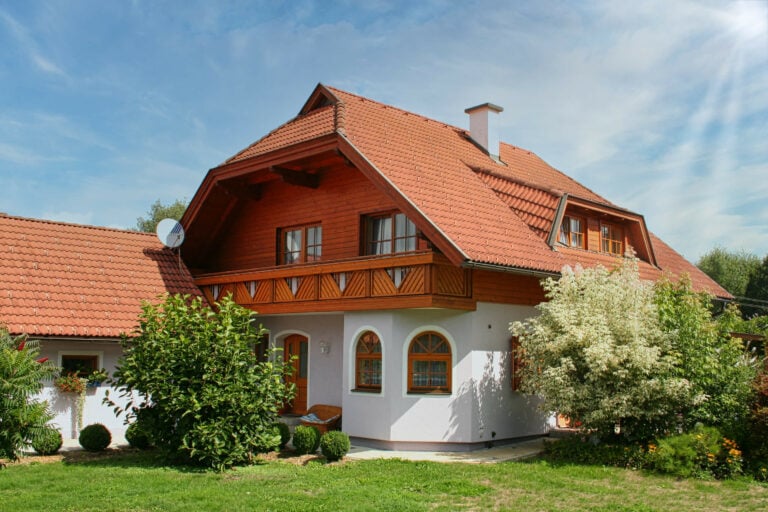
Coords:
137,437
95,437
285,434
334,445
48,442
306,439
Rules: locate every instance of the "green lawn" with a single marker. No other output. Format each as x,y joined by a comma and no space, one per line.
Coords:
138,482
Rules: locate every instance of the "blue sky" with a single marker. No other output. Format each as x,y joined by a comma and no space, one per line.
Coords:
662,107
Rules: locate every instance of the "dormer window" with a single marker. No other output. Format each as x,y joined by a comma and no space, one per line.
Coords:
572,232
611,239
391,233
301,244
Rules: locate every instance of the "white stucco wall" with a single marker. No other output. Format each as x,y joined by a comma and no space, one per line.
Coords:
481,401
324,384
63,405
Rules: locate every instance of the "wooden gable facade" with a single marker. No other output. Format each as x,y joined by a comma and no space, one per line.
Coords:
486,230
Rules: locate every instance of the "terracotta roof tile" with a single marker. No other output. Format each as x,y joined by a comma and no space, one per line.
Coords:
432,164
493,212
62,279
302,128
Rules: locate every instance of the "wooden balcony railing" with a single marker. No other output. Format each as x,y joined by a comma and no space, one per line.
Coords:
403,281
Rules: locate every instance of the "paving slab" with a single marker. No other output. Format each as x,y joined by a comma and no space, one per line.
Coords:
510,452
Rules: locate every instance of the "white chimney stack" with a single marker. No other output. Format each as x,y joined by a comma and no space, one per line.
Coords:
483,127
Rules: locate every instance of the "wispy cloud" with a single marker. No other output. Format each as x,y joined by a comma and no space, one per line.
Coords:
27,45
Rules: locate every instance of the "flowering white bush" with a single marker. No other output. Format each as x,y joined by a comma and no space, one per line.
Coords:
597,353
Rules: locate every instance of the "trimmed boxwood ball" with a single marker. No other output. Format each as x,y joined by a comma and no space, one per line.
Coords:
137,437
49,441
285,434
334,445
306,439
95,437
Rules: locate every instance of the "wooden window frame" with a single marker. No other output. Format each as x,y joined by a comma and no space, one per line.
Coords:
609,244
394,239
431,357
567,232
305,252
368,338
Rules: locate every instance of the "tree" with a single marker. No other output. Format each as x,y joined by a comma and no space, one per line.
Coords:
597,353
610,349
157,212
717,365
757,290
22,418
204,397
731,270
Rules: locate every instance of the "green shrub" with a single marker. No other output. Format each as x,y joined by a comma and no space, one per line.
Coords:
701,453
48,442
306,439
95,437
285,433
22,372
137,436
203,395
334,445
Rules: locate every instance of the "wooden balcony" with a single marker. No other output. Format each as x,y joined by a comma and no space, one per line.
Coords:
422,280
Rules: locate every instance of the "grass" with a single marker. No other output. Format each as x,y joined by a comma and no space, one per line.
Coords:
140,482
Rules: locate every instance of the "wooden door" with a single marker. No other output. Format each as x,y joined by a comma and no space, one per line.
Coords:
298,346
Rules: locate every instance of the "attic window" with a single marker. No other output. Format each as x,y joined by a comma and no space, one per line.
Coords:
572,232
300,244
611,239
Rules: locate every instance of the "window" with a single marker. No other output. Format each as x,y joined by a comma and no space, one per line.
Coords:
81,364
301,244
368,363
612,239
572,232
389,234
429,364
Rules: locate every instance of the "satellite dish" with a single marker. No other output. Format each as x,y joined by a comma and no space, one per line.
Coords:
170,232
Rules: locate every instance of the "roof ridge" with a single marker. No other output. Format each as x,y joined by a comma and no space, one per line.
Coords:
392,107
74,225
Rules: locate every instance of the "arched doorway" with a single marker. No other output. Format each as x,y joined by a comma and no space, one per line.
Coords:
298,346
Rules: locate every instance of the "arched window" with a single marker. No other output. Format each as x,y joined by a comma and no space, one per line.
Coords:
429,364
368,363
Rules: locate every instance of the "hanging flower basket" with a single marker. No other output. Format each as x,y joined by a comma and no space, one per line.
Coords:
70,383
97,377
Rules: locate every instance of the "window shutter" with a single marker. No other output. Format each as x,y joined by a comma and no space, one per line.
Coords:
516,362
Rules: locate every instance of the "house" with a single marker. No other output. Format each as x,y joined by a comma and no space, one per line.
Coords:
388,253
76,289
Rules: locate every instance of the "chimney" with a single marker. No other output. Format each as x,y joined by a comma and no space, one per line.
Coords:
483,127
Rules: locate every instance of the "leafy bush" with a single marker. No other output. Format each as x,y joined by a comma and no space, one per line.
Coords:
334,445
306,439
95,437
587,450
22,372
48,442
137,436
213,402
285,433
700,453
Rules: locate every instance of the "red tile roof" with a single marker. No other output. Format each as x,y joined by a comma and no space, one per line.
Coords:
70,280
492,212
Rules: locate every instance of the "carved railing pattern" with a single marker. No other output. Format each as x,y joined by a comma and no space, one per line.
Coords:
414,275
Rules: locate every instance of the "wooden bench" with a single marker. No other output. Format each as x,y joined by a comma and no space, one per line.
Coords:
328,417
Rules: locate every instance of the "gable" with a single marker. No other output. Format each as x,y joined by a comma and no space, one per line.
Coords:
480,212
